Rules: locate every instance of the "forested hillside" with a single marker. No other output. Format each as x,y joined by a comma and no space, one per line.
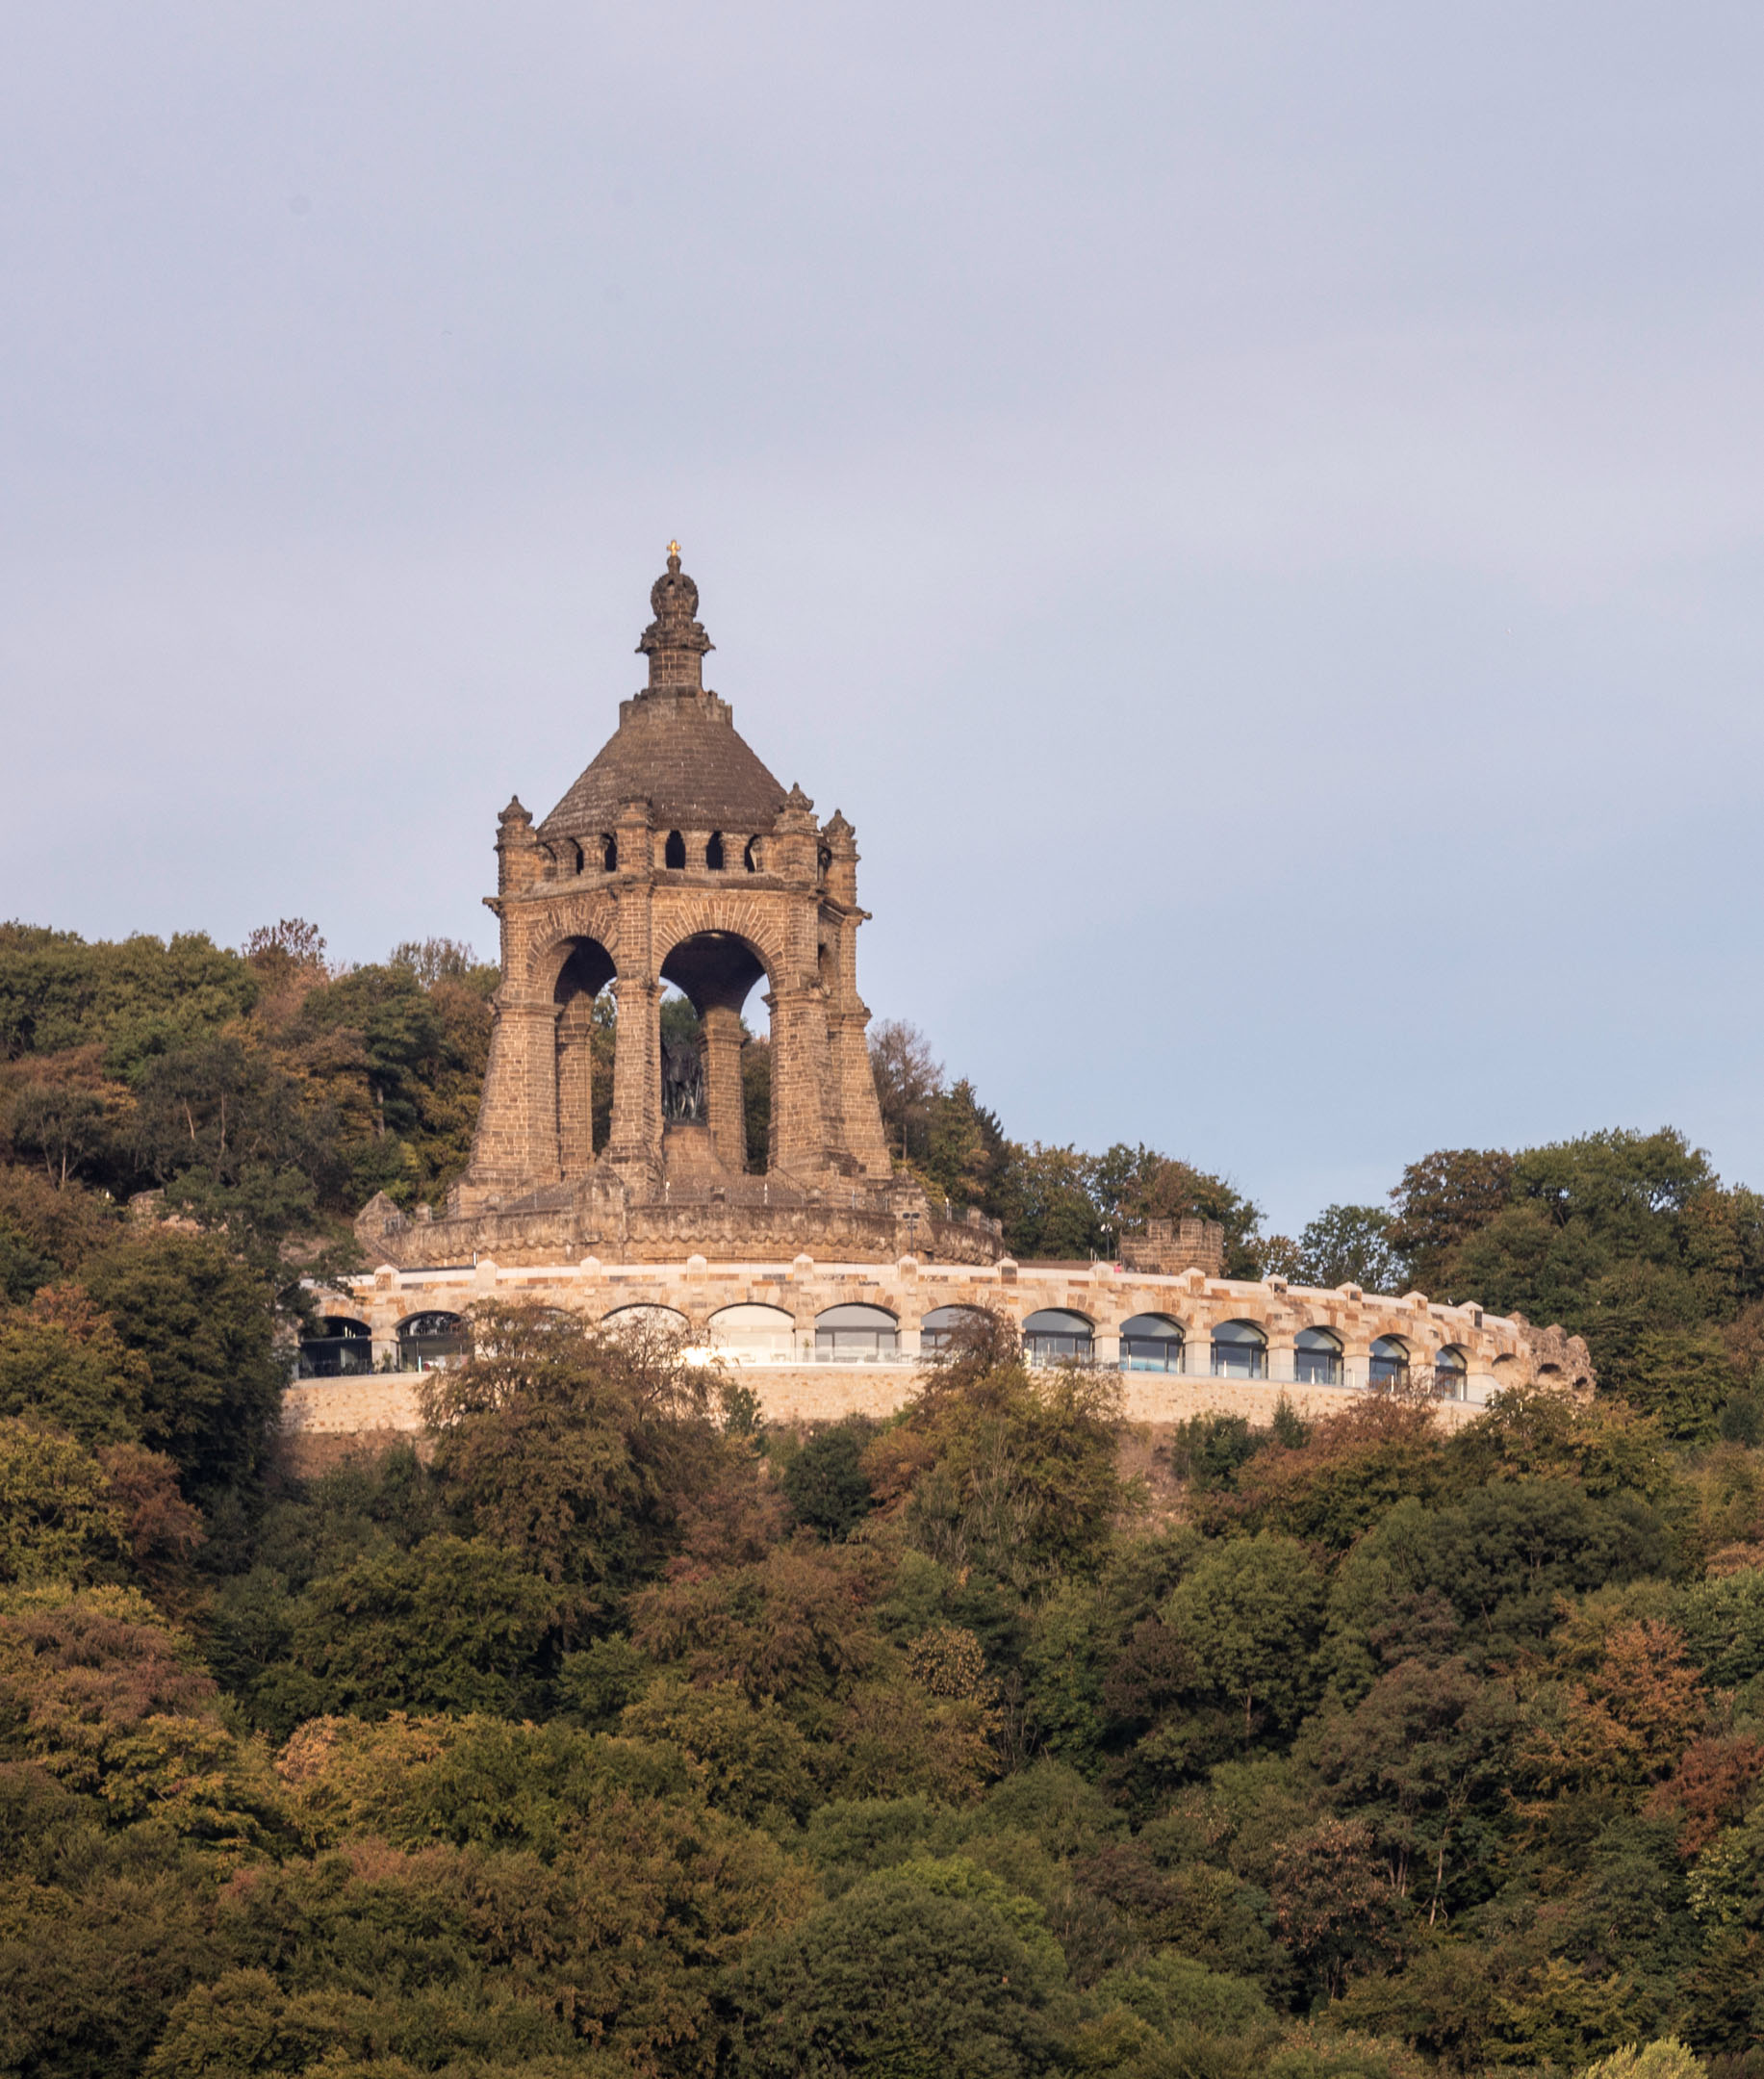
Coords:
615,1731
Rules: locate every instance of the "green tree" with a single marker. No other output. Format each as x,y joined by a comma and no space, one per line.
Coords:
1348,1245
569,1448
824,1481
58,1519
1019,1474
1133,1185
895,1977
1248,1619
454,1626
63,1363
1442,1201
203,1323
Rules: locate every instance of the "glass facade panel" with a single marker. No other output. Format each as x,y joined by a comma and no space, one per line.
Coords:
1151,1343
1389,1365
1239,1351
1316,1357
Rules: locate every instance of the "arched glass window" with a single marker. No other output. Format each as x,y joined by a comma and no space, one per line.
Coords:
713,851
942,1324
1151,1343
645,1320
855,1334
753,1334
1451,1373
431,1342
1316,1357
674,851
1057,1336
1389,1363
1239,1351
342,1348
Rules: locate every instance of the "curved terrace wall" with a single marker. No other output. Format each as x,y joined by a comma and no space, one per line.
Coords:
794,1382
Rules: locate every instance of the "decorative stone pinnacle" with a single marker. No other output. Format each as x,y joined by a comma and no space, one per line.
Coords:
675,642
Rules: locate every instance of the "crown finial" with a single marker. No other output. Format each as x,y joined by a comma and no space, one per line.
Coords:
675,642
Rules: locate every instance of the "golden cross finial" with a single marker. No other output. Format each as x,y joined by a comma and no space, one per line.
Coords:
674,547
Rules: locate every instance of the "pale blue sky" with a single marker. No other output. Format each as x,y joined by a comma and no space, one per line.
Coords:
1255,513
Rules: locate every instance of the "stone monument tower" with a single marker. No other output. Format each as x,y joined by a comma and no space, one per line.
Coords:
677,858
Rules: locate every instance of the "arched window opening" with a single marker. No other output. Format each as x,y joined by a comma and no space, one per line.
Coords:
1451,1373
1151,1343
1316,1357
674,851
750,859
609,852
1239,1351
342,1348
713,851
1389,1367
754,1335
1057,1336
940,1328
642,1320
432,1341
823,859
855,1334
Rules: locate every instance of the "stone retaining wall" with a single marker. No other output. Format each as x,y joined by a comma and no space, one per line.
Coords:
1498,1352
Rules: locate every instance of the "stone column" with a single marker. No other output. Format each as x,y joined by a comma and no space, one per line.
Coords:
864,1138
514,1146
636,1076
575,1086
723,1098
799,1045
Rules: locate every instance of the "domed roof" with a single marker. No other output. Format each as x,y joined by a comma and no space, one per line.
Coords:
675,745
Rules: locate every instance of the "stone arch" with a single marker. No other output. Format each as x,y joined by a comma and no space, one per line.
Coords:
584,971
1240,1348
750,921
855,1330
1317,1356
716,970
939,1326
749,1332
593,920
432,1339
342,1348
1387,1365
1059,1335
1451,1373
1152,1342
645,1315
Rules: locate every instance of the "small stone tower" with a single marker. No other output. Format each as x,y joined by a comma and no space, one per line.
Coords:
675,857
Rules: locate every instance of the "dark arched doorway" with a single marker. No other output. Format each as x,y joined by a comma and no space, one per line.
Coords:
585,1041
705,1081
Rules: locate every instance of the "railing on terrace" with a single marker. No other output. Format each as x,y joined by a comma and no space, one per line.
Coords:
338,1356
1279,1368
351,1356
